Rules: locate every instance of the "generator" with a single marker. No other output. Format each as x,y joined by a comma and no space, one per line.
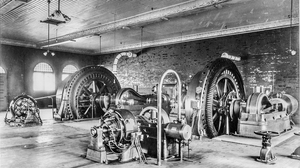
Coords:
23,112
116,134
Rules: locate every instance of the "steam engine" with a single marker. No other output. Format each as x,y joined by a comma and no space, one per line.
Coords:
213,103
124,136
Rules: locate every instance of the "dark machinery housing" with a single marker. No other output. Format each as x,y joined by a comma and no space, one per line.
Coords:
212,104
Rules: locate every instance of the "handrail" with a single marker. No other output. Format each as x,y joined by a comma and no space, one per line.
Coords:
159,102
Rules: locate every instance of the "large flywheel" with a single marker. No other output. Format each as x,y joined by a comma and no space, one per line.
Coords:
79,96
214,88
224,83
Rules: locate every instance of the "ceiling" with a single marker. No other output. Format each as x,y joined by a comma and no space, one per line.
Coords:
106,26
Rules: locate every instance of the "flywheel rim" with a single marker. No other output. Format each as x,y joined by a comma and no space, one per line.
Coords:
73,88
221,70
88,80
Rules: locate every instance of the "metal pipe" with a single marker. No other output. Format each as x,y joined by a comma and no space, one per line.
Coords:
180,151
159,102
159,123
227,132
44,97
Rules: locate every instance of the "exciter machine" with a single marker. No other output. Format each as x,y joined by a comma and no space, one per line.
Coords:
23,112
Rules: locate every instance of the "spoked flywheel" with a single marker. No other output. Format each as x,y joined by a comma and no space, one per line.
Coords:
223,84
81,92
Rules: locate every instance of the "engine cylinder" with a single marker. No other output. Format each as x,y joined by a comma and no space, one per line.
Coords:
178,131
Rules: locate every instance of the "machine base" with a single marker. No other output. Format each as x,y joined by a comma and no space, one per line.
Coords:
296,153
97,156
30,121
280,125
102,156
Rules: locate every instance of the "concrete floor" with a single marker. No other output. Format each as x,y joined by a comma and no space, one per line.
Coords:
57,144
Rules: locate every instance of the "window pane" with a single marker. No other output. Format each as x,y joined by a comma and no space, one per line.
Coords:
43,78
64,76
49,82
43,67
69,69
38,81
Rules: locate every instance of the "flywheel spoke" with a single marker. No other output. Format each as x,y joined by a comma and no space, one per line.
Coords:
215,117
220,123
216,103
84,101
230,88
94,86
225,85
218,90
87,110
102,88
86,90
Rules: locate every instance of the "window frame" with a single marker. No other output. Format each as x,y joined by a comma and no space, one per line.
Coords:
43,80
65,75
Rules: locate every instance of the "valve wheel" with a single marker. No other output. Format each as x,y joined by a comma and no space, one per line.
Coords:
223,84
267,133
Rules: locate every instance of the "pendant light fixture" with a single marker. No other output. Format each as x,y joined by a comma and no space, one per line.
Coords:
48,24
57,17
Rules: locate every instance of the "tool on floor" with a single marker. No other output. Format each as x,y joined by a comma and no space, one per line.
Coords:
266,155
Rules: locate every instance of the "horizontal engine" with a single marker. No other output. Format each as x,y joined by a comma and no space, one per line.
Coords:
125,136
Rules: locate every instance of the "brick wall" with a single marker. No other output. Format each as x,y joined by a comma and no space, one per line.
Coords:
265,61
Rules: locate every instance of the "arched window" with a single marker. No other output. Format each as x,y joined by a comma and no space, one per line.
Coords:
43,78
68,70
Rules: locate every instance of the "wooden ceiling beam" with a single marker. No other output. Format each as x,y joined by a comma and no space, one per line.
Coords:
8,5
206,35
138,20
6,41
190,37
